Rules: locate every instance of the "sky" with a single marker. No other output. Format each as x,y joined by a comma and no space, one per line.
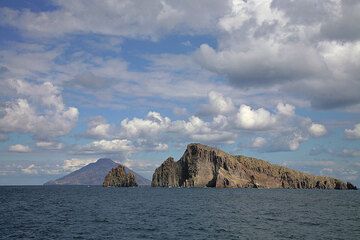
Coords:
137,81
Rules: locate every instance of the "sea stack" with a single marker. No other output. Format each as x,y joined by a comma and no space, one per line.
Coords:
118,177
204,166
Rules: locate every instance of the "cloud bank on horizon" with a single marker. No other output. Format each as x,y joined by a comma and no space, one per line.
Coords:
137,80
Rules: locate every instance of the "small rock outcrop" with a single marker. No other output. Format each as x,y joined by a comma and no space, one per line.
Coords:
118,177
204,166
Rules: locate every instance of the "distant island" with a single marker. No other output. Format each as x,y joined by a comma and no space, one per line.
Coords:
204,166
94,174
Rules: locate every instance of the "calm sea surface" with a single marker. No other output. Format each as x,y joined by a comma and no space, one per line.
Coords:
54,212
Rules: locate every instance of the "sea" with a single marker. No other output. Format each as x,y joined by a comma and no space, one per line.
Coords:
94,212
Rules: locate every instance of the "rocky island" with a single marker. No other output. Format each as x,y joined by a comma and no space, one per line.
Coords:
94,174
118,177
204,166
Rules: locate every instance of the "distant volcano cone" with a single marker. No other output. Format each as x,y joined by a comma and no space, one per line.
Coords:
94,174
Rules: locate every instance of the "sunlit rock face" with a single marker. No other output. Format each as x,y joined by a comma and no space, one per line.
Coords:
204,166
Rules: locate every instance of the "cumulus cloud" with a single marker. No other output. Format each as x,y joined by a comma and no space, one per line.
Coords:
236,18
285,109
286,129
19,148
219,104
317,130
295,141
273,43
46,93
353,133
21,115
254,119
303,54
151,126
97,127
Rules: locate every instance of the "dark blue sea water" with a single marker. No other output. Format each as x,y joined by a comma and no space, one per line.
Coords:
160,213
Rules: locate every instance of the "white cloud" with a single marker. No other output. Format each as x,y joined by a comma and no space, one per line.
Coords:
285,109
258,142
54,119
259,119
196,129
151,126
19,148
152,132
140,19
220,104
49,145
260,62
46,93
353,133
288,46
317,130
25,60
239,14
192,126
97,127
295,142
286,139
260,44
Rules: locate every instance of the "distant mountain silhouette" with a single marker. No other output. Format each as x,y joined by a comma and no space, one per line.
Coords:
94,174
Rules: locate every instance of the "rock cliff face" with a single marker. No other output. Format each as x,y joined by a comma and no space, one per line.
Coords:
202,166
118,177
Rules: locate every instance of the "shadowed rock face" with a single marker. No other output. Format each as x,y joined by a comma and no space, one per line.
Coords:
202,166
118,177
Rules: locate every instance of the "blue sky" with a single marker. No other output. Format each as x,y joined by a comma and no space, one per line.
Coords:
137,81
